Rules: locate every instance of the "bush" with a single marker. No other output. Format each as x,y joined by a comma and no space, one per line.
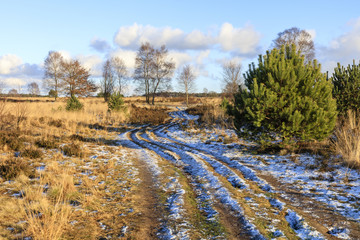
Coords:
153,115
285,99
347,87
13,167
53,93
32,153
73,150
73,104
116,102
12,140
47,143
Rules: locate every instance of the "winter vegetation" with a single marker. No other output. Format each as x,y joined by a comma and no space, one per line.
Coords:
275,155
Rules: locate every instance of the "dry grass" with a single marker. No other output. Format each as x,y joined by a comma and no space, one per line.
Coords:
143,115
47,217
347,142
211,114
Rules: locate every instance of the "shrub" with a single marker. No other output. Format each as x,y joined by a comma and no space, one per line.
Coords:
73,104
116,102
155,115
12,167
53,93
347,139
47,143
32,153
285,99
12,140
347,87
73,150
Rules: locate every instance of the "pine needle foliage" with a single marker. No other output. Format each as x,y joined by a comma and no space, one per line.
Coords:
347,87
73,104
116,102
285,99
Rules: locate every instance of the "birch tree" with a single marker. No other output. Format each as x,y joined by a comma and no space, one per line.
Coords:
186,81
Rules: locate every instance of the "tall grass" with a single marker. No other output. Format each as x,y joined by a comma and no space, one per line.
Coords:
48,216
347,141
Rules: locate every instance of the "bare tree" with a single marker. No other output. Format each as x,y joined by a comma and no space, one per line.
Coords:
53,72
143,68
2,86
300,38
108,81
231,78
13,91
186,81
76,79
162,71
121,73
33,89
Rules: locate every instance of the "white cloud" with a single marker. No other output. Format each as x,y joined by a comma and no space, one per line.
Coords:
65,54
243,41
180,58
312,33
92,63
14,82
201,56
9,63
132,37
342,49
128,56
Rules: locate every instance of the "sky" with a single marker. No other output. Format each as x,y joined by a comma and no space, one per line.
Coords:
204,34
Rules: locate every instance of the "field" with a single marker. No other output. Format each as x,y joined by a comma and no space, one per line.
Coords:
161,173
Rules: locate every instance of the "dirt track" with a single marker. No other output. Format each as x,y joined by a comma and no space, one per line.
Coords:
231,200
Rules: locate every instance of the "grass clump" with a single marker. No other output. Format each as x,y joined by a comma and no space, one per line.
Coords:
347,139
47,143
12,140
73,149
73,104
32,153
12,167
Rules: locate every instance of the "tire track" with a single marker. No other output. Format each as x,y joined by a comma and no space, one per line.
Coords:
208,187
224,166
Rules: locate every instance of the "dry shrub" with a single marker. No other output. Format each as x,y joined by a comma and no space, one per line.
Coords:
11,140
47,143
152,115
211,114
32,153
10,168
73,149
347,139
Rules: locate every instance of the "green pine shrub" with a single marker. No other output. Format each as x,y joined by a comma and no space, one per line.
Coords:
285,100
73,104
347,87
116,102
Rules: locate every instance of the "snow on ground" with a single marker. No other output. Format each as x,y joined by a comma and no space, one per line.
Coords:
173,188
338,186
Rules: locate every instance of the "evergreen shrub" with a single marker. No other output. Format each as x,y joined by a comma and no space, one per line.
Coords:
285,100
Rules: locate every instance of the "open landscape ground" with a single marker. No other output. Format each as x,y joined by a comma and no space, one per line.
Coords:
95,175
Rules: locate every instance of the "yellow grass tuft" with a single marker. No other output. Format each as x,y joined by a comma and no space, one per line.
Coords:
347,142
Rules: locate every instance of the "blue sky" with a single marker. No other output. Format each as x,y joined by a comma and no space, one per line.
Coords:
201,33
